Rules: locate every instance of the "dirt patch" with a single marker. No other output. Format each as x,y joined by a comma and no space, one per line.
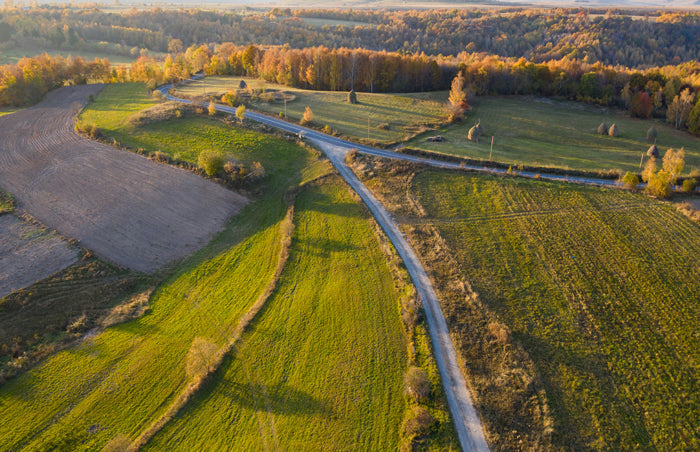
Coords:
29,253
124,207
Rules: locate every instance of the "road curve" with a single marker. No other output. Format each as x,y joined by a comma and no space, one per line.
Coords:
466,419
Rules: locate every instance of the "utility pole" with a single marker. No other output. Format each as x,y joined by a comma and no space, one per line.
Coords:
368,125
491,153
285,107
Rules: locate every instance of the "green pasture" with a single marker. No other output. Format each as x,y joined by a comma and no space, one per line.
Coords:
13,55
545,132
322,367
403,114
600,287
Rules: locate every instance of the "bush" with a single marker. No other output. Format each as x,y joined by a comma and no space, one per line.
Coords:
418,422
417,383
630,180
689,185
659,185
211,162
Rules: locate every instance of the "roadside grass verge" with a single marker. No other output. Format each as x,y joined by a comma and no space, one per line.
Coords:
7,111
598,286
545,132
392,117
321,368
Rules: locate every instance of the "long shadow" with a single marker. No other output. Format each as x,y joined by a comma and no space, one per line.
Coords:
277,399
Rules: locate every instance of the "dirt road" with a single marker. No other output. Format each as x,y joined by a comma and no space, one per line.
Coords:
124,207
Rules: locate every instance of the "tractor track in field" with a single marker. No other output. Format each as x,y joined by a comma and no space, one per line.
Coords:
120,205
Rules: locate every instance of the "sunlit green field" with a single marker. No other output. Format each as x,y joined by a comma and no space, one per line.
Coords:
403,114
543,132
11,56
600,287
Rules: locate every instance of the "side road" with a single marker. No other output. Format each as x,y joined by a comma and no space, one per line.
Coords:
466,419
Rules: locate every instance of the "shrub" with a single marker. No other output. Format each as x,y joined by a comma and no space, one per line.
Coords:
418,422
417,383
212,109
659,184
630,180
603,129
211,162
689,185
240,112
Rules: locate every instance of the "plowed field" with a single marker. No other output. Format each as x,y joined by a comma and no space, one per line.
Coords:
120,205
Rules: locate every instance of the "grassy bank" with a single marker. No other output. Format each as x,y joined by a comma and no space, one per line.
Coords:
598,286
544,132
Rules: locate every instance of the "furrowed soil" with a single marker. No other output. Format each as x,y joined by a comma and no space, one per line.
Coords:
29,253
597,287
126,208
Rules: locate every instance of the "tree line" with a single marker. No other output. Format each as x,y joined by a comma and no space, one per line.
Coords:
611,37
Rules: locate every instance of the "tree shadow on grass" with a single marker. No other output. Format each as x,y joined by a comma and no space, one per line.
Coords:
276,399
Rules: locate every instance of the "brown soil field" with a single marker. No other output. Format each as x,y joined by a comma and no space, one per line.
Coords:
29,253
122,206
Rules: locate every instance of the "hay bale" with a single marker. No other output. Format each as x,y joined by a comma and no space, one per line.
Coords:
653,151
475,132
352,97
652,134
242,85
603,129
612,131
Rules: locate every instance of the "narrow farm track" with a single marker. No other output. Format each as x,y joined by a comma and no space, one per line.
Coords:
124,207
466,419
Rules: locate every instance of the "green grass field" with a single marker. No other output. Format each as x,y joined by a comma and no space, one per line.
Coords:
7,111
404,114
13,55
545,132
321,369
600,287
327,352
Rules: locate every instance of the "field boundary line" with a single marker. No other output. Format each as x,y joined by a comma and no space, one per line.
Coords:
287,229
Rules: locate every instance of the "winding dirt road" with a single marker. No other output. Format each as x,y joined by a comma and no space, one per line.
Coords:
122,206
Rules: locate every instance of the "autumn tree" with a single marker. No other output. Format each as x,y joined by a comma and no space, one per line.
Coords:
673,162
679,110
457,99
212,108
240,112
642,105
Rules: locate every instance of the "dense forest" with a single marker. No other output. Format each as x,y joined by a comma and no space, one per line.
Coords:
610,37
660,90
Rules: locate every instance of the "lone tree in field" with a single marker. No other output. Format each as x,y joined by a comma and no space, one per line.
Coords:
652,134
212,108
352,97
673,163
308,116
612,131
653,152
240,112
475,132
603,129
417,383
458,98
201,358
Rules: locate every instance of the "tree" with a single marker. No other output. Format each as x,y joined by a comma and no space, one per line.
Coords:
689,185
240,112
457,99
659,184
308,116
212,108
201,358
649,170
673,163
679,110
630,180
417,383
642,105
694,119
175,46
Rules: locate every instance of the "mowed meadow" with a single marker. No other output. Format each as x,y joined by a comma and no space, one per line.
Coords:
391,117
599,286
327,350
546,132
